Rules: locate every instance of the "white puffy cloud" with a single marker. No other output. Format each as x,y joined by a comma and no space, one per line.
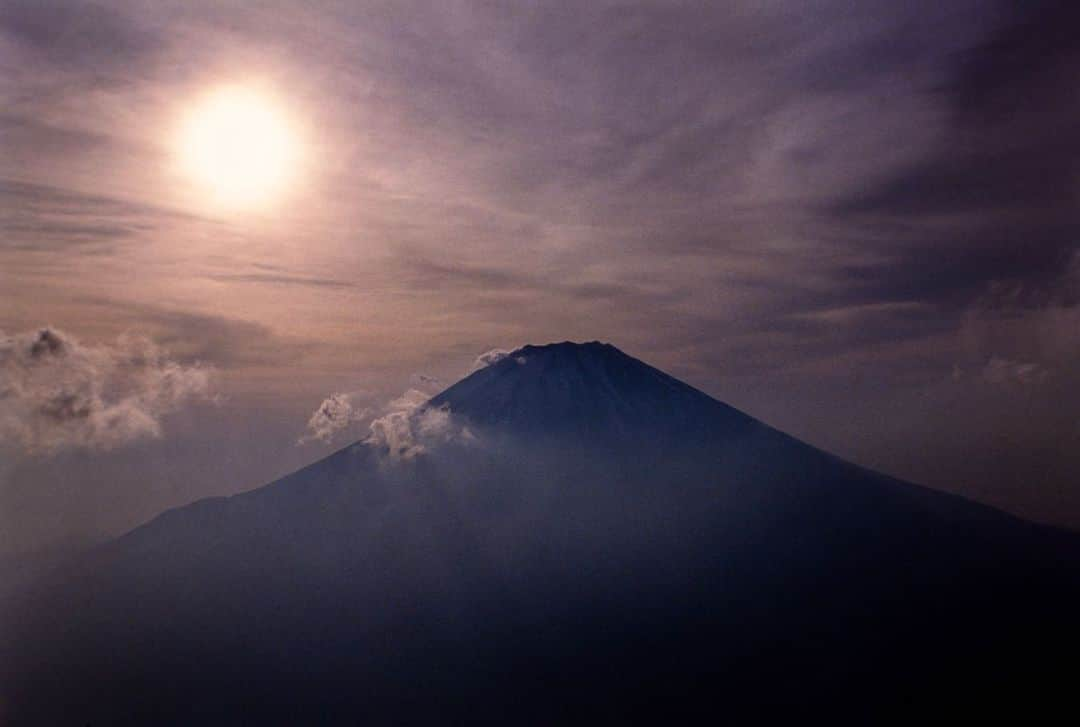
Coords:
410,427
56,393
335,413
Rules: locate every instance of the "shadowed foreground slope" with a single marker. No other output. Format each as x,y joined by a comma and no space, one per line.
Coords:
602,541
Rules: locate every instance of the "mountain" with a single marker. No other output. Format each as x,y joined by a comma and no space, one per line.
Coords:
572,535
590,390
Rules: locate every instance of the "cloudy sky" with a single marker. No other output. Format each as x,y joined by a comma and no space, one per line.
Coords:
854,220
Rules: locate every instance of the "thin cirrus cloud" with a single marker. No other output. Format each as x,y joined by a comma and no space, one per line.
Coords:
756,167
77,34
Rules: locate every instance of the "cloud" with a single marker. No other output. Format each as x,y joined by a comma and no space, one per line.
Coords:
492,357
1017,322
410,427
992,199
281,279
43,218
78,34
192,336
822,187
404,430
57,394
487,359
337,412
1004,371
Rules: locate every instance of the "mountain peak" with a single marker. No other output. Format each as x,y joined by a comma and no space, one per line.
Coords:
589,390
594,346
567,349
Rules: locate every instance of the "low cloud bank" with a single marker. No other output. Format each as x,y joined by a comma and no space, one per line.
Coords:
57,393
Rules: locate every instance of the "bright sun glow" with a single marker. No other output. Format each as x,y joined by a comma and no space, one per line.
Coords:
239,146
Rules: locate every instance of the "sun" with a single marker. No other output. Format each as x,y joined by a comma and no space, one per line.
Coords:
238,145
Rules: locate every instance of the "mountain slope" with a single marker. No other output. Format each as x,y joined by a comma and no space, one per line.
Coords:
590,390
611,543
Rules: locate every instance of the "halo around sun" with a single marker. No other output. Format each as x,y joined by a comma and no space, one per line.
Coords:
239,147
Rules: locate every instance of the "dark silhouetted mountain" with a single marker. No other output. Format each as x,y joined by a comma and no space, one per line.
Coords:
591,391
591,540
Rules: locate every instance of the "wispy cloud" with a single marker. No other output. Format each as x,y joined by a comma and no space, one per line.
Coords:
81,35
45,218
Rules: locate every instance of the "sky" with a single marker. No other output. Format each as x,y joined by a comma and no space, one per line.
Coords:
856,221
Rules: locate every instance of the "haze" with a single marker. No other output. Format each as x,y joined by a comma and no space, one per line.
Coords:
853,221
